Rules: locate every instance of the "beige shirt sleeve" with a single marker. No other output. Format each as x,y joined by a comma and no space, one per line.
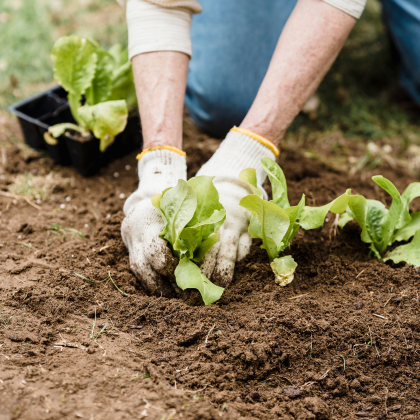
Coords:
153,27
351,7
192,5
164,25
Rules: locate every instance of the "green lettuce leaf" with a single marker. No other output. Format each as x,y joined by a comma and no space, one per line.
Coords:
406,232
294,213
392,216
205,246
375,218
249,176
122,85
100,87
55,131
278,182
381,226
192,236
178,205
119,54
314,217
410,193
207,200
358,206
189,276
105,120
192,214
75,62
409,253
284,269
344,219
273,223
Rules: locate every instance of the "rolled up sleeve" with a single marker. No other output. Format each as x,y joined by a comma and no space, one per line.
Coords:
160,25
351,7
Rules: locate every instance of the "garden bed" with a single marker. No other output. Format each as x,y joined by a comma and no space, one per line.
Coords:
341,342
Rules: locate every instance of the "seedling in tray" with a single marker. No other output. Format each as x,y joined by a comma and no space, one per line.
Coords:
276,223
192,214
381,227
103,78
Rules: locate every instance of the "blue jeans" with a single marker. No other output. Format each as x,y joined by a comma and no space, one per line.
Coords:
233,41
402,18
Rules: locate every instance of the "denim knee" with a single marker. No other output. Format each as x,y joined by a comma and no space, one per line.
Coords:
402,18
233,42
217,110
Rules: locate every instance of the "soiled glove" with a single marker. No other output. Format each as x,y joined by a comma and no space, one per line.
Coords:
150,258
237,152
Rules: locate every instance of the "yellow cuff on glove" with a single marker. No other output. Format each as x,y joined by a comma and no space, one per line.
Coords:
260,139
170,148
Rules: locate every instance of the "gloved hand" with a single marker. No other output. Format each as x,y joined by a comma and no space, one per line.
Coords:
240,150
150,258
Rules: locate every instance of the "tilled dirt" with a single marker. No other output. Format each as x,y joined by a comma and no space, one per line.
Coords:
341,342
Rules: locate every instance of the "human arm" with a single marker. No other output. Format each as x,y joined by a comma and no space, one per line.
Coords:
310,42
160,81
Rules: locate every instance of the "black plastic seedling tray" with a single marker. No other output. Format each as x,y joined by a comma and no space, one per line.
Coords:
37,113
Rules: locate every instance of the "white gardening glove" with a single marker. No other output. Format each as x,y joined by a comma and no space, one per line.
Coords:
237,152
150,258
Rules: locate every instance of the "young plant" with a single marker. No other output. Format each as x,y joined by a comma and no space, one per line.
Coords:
276,223
105,80
192,214
381,227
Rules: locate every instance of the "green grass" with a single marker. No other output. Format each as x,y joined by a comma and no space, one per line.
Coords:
29,29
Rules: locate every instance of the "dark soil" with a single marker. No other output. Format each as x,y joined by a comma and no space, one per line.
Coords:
341,342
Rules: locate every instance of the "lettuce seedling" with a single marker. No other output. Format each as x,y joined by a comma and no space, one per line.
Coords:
105,80
381,227
276,222
193,214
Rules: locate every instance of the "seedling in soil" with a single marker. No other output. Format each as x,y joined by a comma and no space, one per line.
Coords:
140,376
89,280
276,223
62,231
113,282
37,187
103,78
193,214
27,245
101,281
5,322
381,227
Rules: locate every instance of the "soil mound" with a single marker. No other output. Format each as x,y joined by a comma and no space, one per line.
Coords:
340,342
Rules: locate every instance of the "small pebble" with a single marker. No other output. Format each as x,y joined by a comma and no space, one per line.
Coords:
20,237
38,201
255,395
108,216
86,225
68,198
122,196
127,167
116,174
62,206
72,255
292,392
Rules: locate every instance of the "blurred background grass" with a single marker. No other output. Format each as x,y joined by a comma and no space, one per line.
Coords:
360,96
29,28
